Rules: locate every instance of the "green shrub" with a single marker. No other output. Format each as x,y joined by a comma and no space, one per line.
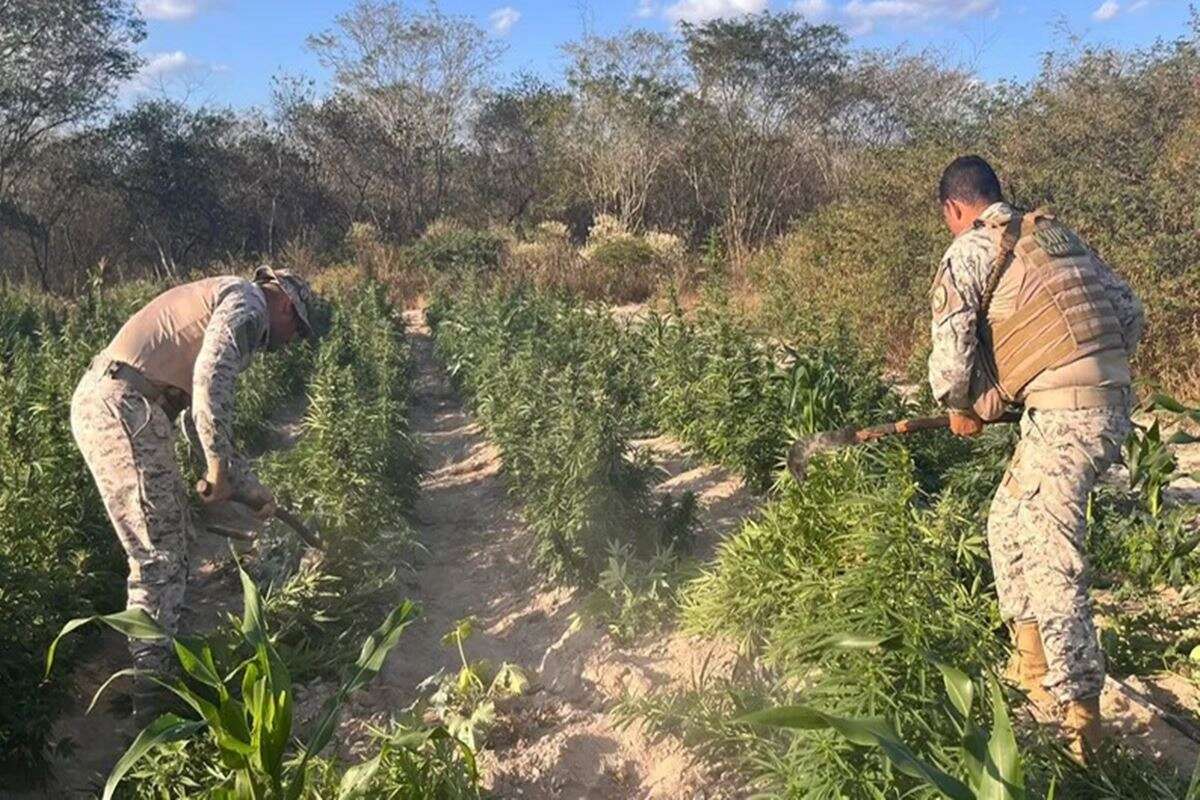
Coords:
553,381
623,253
447,247
741,402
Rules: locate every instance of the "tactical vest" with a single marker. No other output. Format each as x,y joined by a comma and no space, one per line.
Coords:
1045,305
163,340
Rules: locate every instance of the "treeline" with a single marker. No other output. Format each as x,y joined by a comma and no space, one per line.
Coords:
762,141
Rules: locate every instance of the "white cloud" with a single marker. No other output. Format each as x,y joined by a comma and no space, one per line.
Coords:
503,20
646,9
813,9
163,71
866,14
170,10
1107,11
704,10
162,64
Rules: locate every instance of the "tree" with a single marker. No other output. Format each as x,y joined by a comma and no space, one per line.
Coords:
627,90
418,75
767,87
516,146
60,63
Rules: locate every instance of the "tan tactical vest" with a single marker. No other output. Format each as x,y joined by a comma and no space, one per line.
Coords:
1050,324
163,340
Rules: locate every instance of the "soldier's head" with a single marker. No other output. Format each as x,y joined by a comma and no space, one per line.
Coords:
969,185
288,298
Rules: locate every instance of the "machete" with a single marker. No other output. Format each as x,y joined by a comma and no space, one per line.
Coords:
804,449
288,518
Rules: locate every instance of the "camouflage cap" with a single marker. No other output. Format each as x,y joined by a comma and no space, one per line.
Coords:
295,287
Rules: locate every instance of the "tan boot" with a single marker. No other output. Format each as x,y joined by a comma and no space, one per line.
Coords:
1031,665
1082,727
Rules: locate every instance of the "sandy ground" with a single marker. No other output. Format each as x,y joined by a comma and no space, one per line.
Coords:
559,740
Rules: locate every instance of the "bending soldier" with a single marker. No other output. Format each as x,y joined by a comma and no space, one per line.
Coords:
183,350
1025,314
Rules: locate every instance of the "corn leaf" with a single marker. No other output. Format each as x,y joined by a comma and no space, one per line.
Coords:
134,623
164,730
1003,777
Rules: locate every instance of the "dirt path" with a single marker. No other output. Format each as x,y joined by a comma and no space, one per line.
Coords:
560,739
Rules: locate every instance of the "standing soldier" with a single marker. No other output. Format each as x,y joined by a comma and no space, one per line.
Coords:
184,349
1025,314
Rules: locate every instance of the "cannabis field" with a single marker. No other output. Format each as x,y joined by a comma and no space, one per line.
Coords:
569,328
856,645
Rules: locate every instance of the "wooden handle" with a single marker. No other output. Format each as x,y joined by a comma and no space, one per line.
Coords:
924,424
203,488
902,427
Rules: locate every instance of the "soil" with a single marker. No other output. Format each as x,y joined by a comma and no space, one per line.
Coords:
562,738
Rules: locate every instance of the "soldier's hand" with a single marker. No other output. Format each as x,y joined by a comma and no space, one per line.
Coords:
215,486
965,424
262,502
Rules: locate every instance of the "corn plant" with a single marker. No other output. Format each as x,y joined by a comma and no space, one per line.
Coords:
989,760
1152,466
247,710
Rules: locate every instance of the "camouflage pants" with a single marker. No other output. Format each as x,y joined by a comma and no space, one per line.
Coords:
1036,531
127,443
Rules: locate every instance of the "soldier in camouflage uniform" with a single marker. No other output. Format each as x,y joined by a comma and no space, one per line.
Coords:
183,350
1026,315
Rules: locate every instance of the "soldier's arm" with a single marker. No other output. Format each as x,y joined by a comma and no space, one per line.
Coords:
1128,307
237,329
955,299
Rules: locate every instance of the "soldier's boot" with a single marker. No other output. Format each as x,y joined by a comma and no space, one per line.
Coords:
1031,667
1082,727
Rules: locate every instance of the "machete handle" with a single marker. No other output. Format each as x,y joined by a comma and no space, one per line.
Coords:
923,424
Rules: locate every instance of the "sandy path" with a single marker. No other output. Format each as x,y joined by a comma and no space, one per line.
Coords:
560,739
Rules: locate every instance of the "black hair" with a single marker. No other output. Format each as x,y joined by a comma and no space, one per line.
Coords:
970,179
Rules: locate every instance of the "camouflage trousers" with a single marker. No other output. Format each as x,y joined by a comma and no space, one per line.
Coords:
128,444
1036,531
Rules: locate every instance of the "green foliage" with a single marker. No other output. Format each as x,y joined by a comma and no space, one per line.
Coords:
245,705
58,556
740,402
553,381
354,467
634,596
622,253
465,701
446,247
990,761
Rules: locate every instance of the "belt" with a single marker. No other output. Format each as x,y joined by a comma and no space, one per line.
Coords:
171,399
1080,397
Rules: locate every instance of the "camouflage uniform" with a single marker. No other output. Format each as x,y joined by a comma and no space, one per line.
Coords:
127,441
1037,522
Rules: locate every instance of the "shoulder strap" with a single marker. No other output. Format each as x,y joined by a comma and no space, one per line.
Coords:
1008,243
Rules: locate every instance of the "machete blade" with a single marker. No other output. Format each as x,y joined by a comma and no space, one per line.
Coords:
804,449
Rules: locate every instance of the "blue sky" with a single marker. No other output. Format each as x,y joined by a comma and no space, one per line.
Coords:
226,51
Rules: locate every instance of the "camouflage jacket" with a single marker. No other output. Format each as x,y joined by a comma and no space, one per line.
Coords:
964,271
